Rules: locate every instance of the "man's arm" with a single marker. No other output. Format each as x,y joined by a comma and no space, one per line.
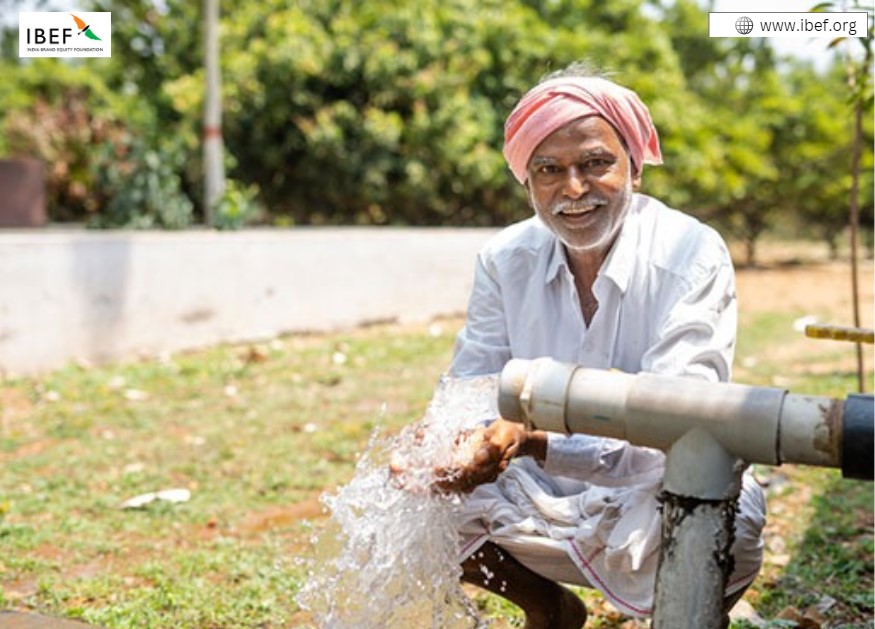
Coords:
483,345
695,337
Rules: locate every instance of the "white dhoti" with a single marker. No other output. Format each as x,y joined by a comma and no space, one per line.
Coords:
605,537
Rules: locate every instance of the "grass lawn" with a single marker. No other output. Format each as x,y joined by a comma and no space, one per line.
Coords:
256,433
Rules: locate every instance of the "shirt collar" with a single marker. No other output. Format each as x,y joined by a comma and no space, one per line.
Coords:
557,261
620,262
618,266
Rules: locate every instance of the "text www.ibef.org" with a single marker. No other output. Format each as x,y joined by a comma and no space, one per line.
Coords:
845,24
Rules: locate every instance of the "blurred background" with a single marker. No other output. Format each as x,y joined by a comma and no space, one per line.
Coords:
247,349
390,112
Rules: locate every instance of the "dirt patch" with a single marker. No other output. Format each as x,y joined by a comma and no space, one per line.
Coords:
15,409
823,288
282,517
821,291
14,402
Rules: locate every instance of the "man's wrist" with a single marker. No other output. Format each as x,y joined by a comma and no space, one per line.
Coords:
534,444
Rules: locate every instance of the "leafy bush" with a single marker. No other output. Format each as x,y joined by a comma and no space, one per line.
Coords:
238,206
63,135
391,112
141,185
102,165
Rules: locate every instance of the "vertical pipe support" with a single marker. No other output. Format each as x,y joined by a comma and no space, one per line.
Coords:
701,487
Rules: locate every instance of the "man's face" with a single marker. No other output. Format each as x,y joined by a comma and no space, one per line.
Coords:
580,183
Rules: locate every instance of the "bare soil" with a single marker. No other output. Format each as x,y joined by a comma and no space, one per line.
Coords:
822,287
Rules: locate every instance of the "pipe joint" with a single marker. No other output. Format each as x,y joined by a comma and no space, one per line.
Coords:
698,466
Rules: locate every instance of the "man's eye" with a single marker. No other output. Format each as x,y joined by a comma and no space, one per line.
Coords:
548,169
596,163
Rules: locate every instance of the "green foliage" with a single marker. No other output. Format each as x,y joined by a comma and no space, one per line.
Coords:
58,113
391,112
103,163
141,185
858,62
237,207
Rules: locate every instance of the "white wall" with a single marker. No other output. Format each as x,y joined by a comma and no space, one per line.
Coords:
103,296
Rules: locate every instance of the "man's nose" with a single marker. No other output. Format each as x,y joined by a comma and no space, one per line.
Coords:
575,183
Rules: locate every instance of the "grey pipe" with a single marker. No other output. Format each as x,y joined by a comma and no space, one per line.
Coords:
758,424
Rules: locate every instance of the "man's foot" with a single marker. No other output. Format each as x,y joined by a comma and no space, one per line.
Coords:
568,612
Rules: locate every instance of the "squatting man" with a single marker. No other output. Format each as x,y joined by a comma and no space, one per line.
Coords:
607,278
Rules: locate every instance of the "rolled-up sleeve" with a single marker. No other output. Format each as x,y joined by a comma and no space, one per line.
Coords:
600,460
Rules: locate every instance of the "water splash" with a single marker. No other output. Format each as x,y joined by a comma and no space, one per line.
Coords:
388,557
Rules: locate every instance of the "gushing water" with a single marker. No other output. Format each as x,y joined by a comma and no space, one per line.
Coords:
388,557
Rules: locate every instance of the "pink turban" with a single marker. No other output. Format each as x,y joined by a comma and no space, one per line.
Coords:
548,106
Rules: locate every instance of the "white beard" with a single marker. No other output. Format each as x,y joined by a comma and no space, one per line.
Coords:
598,241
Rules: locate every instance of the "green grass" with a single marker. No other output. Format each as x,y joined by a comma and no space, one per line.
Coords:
253,432
832,559
257,433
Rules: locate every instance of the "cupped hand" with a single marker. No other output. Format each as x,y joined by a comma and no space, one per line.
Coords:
493,448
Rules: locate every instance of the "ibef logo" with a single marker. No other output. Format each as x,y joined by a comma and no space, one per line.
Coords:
57,34
84,28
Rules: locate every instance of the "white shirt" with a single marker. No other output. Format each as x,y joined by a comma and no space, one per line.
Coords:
666,304
666,295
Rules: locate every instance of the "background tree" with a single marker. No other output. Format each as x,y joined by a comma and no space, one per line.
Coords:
390,111
859,84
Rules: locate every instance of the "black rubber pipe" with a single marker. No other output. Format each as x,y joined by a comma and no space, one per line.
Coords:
858,424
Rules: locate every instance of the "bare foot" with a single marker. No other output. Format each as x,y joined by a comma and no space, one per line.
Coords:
568,613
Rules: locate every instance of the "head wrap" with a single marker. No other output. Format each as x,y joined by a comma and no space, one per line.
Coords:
555,102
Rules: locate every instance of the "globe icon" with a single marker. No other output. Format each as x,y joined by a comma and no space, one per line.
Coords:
744,25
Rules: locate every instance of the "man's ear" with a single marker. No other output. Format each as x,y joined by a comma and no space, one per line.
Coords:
636,175
636,181
528,194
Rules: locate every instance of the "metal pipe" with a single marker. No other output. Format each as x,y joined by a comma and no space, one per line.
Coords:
758,424
840,333
694,563
698,525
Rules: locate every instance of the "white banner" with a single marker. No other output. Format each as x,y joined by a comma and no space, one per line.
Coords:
788,24
64,34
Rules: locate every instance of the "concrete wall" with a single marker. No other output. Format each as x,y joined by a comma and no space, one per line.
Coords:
103,296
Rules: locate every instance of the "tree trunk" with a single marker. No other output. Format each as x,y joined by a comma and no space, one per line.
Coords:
750,251
833,244
855,224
